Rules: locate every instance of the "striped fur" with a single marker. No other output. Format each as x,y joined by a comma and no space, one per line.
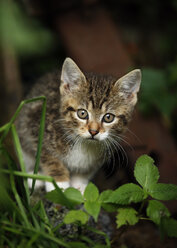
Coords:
69,149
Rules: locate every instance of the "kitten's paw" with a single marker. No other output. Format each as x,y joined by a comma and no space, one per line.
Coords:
63,185
38,183
81,187
79,183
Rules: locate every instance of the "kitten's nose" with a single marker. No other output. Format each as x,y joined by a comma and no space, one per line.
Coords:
93,132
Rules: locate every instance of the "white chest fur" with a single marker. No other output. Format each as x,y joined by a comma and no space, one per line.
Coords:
85,156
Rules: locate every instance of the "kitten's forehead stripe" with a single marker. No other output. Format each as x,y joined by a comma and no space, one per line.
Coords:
92,101
99,89
105,98
90,88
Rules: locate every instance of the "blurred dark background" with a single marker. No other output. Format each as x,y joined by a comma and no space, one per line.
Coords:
110,37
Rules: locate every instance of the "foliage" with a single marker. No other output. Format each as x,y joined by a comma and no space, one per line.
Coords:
158,91
19,32
126,215
25,225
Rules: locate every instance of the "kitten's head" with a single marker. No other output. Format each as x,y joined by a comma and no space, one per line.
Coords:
96,107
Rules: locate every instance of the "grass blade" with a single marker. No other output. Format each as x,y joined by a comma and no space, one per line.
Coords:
100,233
40,139
21,160
19,202
7,126
30,231
26,175
32,240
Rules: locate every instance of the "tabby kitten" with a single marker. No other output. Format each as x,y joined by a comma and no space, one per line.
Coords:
85,115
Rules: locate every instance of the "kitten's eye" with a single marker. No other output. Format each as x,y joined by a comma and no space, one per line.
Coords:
108,118
82,114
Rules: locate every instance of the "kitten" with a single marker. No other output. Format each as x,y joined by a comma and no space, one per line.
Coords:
85,115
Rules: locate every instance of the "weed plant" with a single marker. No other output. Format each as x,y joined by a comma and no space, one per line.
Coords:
25,225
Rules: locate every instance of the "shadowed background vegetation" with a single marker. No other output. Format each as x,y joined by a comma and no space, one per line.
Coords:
31,45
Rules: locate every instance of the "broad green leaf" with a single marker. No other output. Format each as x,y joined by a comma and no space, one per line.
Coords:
74,196
57,196
91,192
109,207
156,210
105,195
126,216
75,216
164,192
169,226
145,172
126,194
93,208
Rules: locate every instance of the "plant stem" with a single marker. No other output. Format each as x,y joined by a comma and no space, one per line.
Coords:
22,174
7,126
141,206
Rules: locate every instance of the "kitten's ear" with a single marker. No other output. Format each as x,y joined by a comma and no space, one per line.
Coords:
129,85
71,76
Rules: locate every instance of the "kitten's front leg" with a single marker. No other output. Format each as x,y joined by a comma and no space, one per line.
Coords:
55,168
79,181
63,185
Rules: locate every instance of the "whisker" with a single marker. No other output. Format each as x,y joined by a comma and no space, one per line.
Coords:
109,145
59,120
107,152
134,135
121,137
115,140
123,152
116,147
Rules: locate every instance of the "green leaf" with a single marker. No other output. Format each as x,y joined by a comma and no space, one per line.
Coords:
164,192
126,194
74,196
157,210
93,208
57,196
105,195
126,216
91,192
145,172
75,216
169,226
109,207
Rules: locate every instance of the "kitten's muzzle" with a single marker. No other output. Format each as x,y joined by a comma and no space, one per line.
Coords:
93,132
